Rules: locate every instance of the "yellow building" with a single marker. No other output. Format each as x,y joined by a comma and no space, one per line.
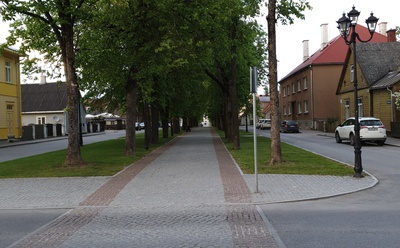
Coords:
10,95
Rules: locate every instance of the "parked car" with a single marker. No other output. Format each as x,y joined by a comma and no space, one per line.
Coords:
258,124
371,130
266,124
291,126
139,126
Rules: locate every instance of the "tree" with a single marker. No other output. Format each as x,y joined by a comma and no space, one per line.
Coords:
49,27
233,37
283,11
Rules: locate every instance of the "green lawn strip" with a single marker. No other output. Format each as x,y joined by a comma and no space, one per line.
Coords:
296,160
104,158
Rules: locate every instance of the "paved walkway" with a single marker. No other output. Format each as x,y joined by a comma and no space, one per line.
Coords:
188,193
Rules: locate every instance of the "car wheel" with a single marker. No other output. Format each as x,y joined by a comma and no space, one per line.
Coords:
337,137
352,141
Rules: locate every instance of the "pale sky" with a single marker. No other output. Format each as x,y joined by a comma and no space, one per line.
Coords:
290,38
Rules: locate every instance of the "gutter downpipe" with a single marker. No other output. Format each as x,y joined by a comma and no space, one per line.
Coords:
312,98
391,104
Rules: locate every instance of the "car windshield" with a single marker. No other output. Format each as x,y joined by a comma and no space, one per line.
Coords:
292,122
370,123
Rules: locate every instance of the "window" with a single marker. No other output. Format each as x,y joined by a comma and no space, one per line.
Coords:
288,90
41,120
298,85
305,83
289,109
305,106
284,110
352,73
293,88
360,108
347,108
284,91
299,108
8,71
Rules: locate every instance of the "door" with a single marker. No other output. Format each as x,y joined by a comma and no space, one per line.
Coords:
10,120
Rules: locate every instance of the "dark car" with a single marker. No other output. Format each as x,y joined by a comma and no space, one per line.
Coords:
289,127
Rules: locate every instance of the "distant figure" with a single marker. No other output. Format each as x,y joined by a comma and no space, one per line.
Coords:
188,128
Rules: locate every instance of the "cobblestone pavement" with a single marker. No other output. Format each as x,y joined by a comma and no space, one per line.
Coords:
188,193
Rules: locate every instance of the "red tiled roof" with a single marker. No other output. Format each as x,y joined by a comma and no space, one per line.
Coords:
336,50
267,108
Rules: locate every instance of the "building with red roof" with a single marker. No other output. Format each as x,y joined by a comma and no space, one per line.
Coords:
308,92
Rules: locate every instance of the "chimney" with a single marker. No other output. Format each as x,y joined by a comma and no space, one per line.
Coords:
382,28
324,35
391,35
305,50
42,79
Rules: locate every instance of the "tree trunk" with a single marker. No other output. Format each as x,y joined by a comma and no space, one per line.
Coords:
73,157
234,121
175,125
164,122
154,124
276,154
147,125
130,136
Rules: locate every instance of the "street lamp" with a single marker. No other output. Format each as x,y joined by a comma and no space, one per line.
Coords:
347,29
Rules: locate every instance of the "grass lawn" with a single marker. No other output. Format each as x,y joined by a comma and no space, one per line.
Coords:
102,159
296,160
107,158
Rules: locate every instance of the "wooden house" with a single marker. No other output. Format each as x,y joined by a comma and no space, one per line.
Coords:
46,103
378,77
10,95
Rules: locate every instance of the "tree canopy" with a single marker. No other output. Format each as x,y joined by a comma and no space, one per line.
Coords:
163,59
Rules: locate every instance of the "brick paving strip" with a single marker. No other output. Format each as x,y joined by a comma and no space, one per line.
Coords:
65,226
247,225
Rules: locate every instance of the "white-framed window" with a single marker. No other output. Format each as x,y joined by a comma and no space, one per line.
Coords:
284,91
298,85
289,109
352,73
8,72
347,108
305,83
293,88
284,110
360,107
299,110
288,90
41,120
305,106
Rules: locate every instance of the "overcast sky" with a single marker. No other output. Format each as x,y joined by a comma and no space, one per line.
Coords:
290,38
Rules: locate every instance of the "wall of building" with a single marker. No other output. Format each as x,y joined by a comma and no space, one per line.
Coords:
381,106
29,119
325,100
10,97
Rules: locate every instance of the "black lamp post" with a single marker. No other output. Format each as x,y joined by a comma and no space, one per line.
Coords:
347,29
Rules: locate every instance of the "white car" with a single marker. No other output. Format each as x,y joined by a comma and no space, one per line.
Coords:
371,130
258,124
266,124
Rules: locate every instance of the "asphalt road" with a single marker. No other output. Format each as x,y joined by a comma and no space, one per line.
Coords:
368,218
17,223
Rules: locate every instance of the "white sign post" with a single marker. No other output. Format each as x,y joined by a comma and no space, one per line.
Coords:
253,87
